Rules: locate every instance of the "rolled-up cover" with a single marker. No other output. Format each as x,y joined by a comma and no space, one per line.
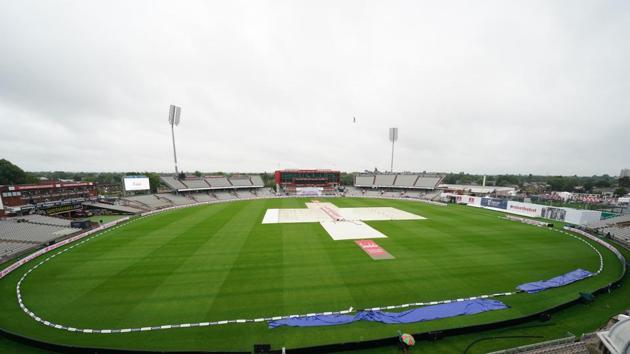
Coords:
558,281
428,313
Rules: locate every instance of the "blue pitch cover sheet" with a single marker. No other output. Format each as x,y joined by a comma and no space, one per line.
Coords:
558,281
428,313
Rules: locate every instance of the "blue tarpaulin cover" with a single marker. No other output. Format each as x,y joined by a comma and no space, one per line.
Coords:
561,280
428,313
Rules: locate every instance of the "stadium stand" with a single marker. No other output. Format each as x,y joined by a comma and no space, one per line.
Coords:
617,227
369,193
176,199
621,233
364,181
257,181
432,195
406,180
264,192
392,194
196,183
218,182
12,230
150,201
353,192
566,345
8,248
173,182
241,181
428,182
610,222
212,182
114,207
384,180
203,197
225,195
245,194
396,181
46,220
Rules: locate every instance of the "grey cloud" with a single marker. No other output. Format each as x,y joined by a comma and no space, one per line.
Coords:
491,87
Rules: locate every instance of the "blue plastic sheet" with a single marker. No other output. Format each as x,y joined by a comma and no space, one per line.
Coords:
561,280
428,313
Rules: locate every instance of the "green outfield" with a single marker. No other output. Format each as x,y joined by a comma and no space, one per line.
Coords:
218,262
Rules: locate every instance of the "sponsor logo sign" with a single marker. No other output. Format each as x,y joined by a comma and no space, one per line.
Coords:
525,209
373,250
494,203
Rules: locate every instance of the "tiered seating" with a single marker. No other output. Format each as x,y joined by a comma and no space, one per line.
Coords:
8,248
384,180
177,199
115,207
241,181
353,192
428,182
432,195
391,194
552,346
403,181
622,233
218,182
257,181
11,230
149,200
212,182
406,181
265,192
225,196
46,220
173,182
196,183
203,197
245,194
364,180
611,221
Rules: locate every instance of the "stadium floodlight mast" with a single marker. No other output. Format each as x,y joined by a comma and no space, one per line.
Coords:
174,115
393,136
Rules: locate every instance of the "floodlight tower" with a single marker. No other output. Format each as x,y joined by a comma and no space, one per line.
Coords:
393,136
174,115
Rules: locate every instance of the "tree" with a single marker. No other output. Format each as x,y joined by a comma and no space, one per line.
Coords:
346,179
624,182
12,174
451,178
154,181
620,192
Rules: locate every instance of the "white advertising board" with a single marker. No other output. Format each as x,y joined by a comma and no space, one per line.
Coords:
582,217
525,209
136,183
462,199
309,191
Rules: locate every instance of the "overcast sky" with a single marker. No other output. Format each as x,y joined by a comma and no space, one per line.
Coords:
537,87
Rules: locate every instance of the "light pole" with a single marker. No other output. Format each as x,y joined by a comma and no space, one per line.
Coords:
174,114
393,136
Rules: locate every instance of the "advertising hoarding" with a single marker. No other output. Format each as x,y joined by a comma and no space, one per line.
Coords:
494,203
525,209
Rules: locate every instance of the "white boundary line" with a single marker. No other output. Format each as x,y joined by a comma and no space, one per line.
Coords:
37,318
